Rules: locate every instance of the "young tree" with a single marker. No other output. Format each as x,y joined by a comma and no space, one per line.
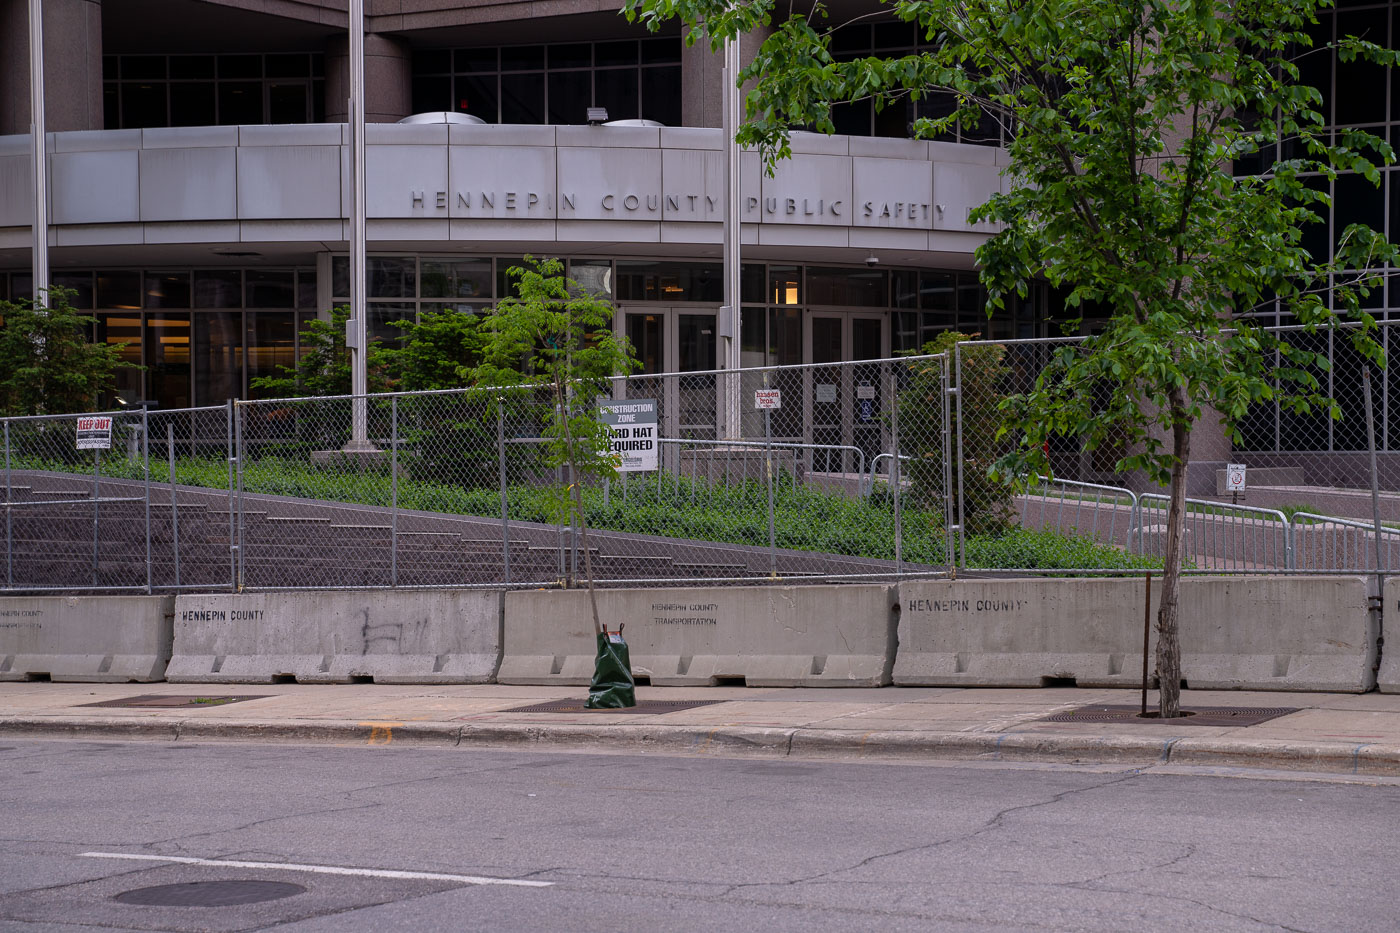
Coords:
555,335
324,366
1123,121
47,364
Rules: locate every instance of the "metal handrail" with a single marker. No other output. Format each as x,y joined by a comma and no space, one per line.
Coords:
1244,512
1099,489
868,481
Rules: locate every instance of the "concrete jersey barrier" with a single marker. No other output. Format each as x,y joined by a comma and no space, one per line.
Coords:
1388,677
385,636
760,636
1245,633
95,639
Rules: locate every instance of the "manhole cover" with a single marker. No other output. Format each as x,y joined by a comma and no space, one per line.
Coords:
167,701
209,893
575,705
1196,716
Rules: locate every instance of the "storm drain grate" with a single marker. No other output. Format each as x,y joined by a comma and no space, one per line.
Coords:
209,893
575,705
166,701
1199,716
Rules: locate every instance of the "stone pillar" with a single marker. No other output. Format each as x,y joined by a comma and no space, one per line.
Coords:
72,65
702,78
388,79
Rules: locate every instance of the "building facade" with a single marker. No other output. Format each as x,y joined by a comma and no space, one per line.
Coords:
199,186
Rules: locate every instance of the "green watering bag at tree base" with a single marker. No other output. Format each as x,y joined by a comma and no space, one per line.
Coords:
612,686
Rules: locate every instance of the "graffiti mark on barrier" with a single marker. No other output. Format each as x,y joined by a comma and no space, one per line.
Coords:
380,733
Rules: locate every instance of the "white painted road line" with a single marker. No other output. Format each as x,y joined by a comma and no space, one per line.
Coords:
322,869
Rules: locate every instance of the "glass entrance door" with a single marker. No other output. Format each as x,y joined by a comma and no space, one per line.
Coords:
844,410
676,341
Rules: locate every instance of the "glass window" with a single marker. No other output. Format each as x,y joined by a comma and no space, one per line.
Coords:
383,318
660,51
240,66
218,353
271,288
124,329
390,277
864,288
167,289
432,61
784,336
191,66
240,102
143,105
572,55
218,288
432,92
751,282
192,104
505,282
271,338
661,95
306,289
340,276
522,98
168,359
477,95
570,96
475,59
522,58
753,337
594,276
288,66
784,285
618,90
143,67
119,290
80,283
643,280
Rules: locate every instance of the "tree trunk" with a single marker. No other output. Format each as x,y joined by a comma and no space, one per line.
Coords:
576,498
1168,644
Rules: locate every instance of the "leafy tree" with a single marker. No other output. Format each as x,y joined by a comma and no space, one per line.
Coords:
47,364
986,504
1124,121
438,351
552,334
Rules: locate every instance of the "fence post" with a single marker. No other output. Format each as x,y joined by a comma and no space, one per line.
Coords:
238,483
1375,480
894,474
394,491
9,513
96,497
768,468
501,471
232,460
146,471
952,447
174,502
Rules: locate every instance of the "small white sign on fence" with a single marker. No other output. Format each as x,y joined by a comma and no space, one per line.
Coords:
767,399
1234,477
94,432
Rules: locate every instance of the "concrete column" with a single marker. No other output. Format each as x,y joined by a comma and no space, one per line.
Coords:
72,65
702,82
388,79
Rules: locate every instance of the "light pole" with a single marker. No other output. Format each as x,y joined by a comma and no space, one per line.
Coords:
37,138
357,331
732,242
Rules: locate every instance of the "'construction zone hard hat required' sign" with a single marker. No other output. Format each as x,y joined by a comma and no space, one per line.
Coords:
632,424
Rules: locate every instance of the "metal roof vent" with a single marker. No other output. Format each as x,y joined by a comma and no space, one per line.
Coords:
444,116
633,122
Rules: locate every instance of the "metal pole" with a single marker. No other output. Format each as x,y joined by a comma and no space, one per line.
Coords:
146,470
501,470
768,462
38,144
733,238
1146,634
96,495
232,462
1375,481
357,339
238,474
895,477
394,491
9,514
174,501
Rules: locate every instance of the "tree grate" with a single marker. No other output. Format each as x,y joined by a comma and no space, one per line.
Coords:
1197,716
178,701
575,705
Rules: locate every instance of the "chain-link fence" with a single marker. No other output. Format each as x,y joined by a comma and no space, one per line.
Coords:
857,470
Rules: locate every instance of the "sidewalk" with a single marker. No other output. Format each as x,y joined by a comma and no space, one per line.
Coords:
1337,733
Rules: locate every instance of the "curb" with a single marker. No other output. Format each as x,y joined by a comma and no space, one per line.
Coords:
1335,758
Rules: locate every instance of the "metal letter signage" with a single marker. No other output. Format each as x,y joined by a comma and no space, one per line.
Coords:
632,424
94,432
767,399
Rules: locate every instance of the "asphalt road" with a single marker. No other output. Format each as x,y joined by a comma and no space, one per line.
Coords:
647,843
